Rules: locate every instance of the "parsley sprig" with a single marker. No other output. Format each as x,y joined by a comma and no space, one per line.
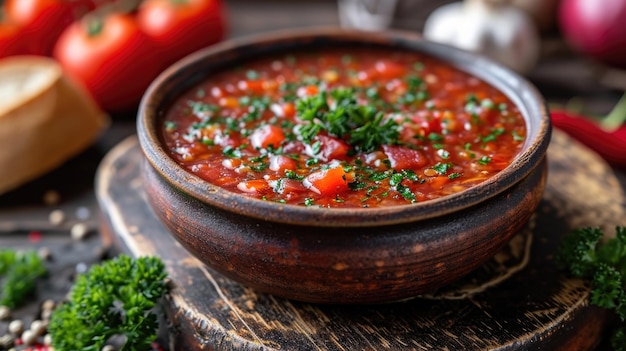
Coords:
19,272
114,298
363,126
584,255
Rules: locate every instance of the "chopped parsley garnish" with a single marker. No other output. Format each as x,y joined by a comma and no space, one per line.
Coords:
442,168
278,186
485,160
200,108
170,126
338,199
378,176
416,91
406,192
488,104
470,103
232,152
207,141
415,83
372,93
316,147
396,179
244,100
252,74
259,167
311,162
410,175
293,175
364,127
435,137
357,185
517,137
443,154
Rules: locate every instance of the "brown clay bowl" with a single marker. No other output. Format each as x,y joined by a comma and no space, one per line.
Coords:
341,255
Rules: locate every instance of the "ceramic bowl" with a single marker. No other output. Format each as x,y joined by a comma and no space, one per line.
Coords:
342,256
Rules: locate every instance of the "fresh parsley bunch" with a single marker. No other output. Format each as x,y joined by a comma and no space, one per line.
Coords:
585,255
18,274
114,298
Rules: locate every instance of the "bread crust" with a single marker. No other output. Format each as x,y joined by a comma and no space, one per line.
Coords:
48,121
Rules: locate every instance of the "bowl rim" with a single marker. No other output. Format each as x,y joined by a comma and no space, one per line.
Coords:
522,93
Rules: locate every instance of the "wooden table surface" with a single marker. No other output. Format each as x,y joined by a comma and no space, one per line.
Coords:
560,75
516,301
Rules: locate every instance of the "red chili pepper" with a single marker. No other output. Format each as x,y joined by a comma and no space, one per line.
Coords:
607,137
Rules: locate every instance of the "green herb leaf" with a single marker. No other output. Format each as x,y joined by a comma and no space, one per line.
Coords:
18,275
442,168
293,175
231,152
585,255
362,126
170,126
485,160
493,135
517,137
410,175
116,297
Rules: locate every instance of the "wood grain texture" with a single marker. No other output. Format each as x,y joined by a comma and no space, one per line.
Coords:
528,306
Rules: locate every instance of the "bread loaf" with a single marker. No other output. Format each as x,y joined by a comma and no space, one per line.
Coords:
45,119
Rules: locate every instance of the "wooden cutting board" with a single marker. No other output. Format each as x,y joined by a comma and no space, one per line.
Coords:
517,301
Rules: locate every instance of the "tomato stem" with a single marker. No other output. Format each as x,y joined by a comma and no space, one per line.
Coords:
94,26
616,117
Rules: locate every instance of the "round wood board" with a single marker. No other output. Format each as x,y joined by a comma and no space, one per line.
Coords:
517,301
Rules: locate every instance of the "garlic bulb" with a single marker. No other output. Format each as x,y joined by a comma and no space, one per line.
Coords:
493,28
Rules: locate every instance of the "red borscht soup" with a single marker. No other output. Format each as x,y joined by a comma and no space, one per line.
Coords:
350,128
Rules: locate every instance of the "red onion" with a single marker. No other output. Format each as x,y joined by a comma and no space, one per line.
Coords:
596,28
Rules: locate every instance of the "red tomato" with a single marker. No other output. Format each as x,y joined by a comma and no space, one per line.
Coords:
438,182
327,181
390,69
402,157
114,61
332,148
291,186
280,163
253,86
181,27
266,136
258,186
44,20
11,40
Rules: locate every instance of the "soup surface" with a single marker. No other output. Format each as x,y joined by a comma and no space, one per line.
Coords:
351,127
